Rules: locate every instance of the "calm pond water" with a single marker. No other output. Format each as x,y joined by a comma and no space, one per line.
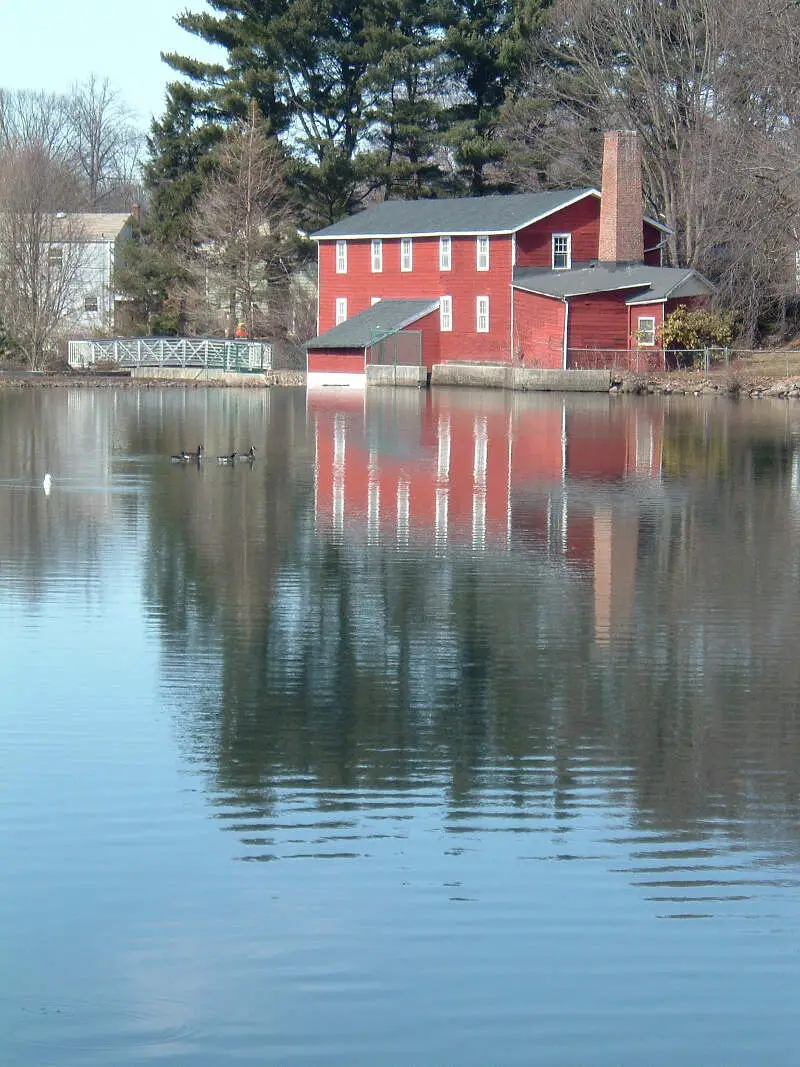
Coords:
457,729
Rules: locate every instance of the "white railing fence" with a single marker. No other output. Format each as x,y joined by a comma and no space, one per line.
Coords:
172,352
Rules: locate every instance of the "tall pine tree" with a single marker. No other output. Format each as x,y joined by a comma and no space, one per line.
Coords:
484,52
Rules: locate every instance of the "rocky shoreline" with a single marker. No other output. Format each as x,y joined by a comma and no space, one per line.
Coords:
731,382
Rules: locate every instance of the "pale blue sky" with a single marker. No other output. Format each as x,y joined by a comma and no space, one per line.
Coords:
49,44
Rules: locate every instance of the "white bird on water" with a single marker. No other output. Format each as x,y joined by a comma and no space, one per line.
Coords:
47,482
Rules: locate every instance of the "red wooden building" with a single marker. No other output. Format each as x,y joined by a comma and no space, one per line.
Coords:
553,279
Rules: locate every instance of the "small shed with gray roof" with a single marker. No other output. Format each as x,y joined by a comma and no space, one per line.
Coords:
390,332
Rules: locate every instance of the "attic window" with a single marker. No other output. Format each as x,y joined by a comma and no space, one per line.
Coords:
90,303
341,257
562,251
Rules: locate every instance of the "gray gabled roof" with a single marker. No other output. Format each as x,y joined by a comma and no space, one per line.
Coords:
461,215
647,284
90,227
458,216
382,319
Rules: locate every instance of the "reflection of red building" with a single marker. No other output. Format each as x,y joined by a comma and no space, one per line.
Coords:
521,473
434,462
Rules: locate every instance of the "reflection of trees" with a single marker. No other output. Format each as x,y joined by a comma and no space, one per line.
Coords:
71,434
369,667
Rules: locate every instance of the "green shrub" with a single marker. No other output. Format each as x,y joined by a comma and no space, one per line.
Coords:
685,329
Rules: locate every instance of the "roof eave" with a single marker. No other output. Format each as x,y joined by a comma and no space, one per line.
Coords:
586,292
658,225
379,335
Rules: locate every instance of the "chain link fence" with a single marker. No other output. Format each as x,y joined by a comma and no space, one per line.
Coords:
648,360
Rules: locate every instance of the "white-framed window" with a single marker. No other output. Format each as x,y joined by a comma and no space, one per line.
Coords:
341,257
406,254
377,255
341,309
373,300
446,253
90,302
482,314
646,333
562,251
446,314
482,253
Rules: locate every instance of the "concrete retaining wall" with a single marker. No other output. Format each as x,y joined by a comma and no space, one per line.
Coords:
222,377
560,381
505,376
410,377
482,375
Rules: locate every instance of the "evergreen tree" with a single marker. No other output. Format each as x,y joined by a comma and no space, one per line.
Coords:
408,111
306,63
180,146
484,49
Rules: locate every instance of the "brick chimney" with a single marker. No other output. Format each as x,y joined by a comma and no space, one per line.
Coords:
621,205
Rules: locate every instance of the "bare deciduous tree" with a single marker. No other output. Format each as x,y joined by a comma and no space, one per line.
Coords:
103,141
711,88
41,251
89,130
34,118
242,229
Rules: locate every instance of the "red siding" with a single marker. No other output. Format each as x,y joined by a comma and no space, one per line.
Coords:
582,220
464,283
341,360
429,325
599,320
652,241
646,358
638,311
538,330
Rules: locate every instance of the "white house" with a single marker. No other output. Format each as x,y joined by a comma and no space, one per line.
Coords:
99,235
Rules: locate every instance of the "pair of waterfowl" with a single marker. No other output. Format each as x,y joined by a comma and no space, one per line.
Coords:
195,457
250,454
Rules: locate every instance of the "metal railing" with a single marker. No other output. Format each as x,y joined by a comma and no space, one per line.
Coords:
206,352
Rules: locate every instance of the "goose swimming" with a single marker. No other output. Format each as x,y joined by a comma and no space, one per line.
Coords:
186,457
227,459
